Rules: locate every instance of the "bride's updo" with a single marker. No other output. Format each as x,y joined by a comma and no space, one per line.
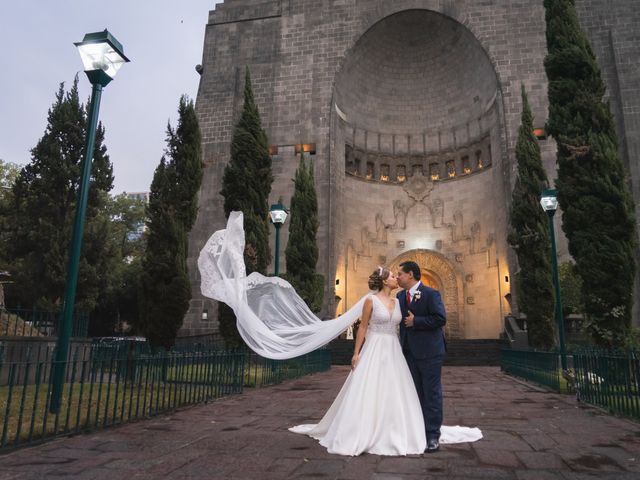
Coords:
377,277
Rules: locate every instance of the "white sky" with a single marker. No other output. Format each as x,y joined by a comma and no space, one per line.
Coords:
162,38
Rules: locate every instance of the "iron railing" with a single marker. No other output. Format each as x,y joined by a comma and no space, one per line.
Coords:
609,379
539,367
110,386
604,378
261,371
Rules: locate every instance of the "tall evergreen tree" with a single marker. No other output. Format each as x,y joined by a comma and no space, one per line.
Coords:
302,250
246,185
529,236
165,288
164,284
44,201
184,147
593,191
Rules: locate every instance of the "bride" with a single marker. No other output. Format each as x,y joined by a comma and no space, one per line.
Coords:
377,409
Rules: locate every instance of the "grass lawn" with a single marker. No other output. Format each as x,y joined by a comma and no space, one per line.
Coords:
24,415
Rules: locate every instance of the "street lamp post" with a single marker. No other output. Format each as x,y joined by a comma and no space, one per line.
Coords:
549,202
278,215
102,56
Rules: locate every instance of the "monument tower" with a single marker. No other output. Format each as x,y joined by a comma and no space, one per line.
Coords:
410,111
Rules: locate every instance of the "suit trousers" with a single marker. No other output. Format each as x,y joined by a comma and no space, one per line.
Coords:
427,376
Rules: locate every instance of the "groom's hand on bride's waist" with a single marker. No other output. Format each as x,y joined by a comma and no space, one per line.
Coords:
408,320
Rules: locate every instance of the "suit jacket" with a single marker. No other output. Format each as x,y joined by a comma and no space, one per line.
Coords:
426,337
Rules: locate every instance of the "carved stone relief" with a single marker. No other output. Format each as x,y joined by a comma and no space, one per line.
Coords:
365,238
475,237
400,215
352,256
457,227
437,213
381,229
418,187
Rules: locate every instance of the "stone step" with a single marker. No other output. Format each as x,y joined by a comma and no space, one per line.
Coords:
460,352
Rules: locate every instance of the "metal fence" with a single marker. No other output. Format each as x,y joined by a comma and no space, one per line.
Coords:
604,378
107,387
25,322
261,371
540,367
610,380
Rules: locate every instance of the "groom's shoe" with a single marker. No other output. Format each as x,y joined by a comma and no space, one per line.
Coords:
433,445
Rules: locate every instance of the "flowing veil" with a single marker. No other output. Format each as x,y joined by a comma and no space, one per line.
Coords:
271,318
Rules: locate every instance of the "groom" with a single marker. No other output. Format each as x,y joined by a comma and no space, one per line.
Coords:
422,340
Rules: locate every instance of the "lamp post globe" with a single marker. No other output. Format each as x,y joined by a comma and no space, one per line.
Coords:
278,215
102,56
549,203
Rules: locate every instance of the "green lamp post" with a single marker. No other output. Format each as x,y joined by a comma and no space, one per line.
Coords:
278,215
102,56
549,202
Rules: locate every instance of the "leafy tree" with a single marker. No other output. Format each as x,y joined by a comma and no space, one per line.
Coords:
8,174
164,286
593,191
529,236
246,185
118,304
302,250
43,207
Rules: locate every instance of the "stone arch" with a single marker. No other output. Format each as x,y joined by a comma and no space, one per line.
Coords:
450,284
450,9
407,74
447,10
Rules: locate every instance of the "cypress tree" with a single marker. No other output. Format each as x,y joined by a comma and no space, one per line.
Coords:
302,250
184,147
593,191
529,236
43,207
246,185
165,288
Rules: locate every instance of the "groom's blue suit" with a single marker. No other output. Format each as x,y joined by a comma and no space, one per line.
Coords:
424,348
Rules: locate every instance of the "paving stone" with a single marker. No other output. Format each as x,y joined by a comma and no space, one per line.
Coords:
215,441
541,460
538,475
503,458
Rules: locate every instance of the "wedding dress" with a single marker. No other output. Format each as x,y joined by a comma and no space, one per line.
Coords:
377,410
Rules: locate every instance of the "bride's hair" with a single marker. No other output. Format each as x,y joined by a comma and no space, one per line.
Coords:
377,277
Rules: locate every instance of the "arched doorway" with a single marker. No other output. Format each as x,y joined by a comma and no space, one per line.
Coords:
429,280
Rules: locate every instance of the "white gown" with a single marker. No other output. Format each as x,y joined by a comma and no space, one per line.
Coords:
377,410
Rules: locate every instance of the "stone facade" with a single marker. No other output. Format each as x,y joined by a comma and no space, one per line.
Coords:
413,108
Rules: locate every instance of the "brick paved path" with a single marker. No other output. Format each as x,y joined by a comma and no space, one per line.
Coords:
529,434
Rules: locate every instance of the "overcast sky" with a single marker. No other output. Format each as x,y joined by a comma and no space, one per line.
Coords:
162,38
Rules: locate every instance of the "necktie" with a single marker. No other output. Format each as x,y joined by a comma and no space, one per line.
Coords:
408,297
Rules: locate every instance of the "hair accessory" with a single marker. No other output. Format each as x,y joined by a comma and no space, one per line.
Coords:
380,270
